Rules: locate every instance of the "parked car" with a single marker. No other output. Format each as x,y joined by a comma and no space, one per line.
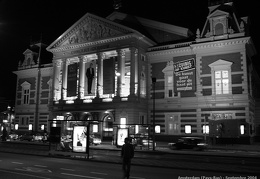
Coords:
27,137
142,142
95,139
13,136
195,143
148,142
38,137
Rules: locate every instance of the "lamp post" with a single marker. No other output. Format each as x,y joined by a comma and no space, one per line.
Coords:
154,81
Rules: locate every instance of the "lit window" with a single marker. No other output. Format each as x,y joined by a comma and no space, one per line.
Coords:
122,122
188,129
157,129
242,129
205,129
16,126
222,82
136,129
42,127
221,76
30,127
95,128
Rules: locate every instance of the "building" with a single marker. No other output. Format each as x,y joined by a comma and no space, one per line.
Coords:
33,90
124,75
208,87
119,92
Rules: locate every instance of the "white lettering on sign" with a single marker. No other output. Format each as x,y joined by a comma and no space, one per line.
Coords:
184,65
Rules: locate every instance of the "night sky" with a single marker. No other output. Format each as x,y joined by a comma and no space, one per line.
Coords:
23,21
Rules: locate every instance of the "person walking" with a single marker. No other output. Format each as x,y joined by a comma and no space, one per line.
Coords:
127,153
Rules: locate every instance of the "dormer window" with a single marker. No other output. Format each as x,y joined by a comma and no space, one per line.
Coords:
219,29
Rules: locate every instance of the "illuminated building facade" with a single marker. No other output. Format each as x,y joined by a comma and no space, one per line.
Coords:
102,70
209,87
119,91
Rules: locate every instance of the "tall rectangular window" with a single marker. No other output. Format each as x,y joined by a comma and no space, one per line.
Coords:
26,95
222,82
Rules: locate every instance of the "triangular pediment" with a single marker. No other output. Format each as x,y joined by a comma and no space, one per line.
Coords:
221,63
88,29
27,51
218,13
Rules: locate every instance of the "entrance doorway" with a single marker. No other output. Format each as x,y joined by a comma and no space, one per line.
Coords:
108,127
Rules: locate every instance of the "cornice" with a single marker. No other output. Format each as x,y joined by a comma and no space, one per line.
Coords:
221,44
174,49
77,46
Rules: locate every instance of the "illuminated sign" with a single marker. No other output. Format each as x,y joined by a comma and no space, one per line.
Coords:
61,118
185,75
79,139
184,65
121,135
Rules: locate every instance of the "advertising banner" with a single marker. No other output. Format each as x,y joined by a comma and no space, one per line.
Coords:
121,135
185,75
79,139
72,80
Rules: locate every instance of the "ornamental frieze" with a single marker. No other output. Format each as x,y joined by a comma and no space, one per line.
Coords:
91,30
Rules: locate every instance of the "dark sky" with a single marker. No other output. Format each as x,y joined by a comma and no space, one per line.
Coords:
22,21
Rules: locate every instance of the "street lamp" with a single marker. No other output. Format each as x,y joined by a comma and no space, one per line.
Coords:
154,81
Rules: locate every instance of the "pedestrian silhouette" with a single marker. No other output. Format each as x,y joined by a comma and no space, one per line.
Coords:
90,75
127,153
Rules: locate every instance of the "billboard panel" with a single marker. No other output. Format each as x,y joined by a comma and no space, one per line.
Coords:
121,135
79,139
185,75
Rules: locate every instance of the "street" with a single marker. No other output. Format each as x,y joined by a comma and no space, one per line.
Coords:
32,167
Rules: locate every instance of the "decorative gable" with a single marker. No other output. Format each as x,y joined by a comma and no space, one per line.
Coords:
221,23
88,29
25,85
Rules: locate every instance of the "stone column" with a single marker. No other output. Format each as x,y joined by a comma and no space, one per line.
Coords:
81,77
134,71
100,74
56,82
119,70
64,78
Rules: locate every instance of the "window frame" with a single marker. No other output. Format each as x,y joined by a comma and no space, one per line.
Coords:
25,100
221,65
169,72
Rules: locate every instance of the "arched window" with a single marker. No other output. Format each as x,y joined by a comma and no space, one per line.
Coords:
219,29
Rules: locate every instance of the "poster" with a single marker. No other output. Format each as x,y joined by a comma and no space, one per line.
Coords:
121,135
185,75
79,139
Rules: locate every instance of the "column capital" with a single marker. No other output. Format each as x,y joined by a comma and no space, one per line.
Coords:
101,55
121,52
134,50
57,63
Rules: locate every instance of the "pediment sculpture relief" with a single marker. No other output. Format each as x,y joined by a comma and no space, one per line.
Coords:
91,30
